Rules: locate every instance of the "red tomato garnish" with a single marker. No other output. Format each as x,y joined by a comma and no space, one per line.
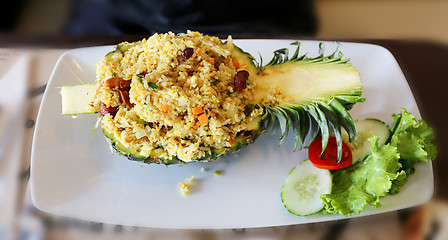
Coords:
329,158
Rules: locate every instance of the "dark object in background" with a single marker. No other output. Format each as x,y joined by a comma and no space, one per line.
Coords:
240,18
10,15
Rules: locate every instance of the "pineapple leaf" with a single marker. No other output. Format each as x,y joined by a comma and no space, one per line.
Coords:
314,130
336,48
273,123
328,111
261,60
320,122
344,118
295,123
333,121
283,119
345,100
324,129
321,50
337,133
285,53
311,120
304,125
296,53
281,56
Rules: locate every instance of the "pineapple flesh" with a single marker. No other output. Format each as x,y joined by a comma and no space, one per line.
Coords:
310,95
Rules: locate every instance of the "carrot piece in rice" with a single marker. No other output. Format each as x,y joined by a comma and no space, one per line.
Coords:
196,110
164,108
203,119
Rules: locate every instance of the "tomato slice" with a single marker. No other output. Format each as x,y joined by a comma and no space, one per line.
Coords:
329,158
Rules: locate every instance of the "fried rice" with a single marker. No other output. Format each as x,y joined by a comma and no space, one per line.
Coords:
178,106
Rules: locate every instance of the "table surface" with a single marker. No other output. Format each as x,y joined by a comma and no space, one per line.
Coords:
423,64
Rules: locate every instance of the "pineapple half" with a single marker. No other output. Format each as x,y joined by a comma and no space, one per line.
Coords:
316,94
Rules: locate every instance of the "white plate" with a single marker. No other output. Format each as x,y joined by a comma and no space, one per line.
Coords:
75,175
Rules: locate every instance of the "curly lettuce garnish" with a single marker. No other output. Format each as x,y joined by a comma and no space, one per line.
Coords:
385,171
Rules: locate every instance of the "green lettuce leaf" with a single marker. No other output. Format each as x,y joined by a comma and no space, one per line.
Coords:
414,141
385,170
401,179
427,136
402,121
363,183
347,198
377,171
409,146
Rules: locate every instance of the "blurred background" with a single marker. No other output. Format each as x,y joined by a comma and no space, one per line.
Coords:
414,19
402,26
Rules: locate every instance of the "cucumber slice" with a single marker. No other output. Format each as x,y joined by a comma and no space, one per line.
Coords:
366,129
76,99
303,188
